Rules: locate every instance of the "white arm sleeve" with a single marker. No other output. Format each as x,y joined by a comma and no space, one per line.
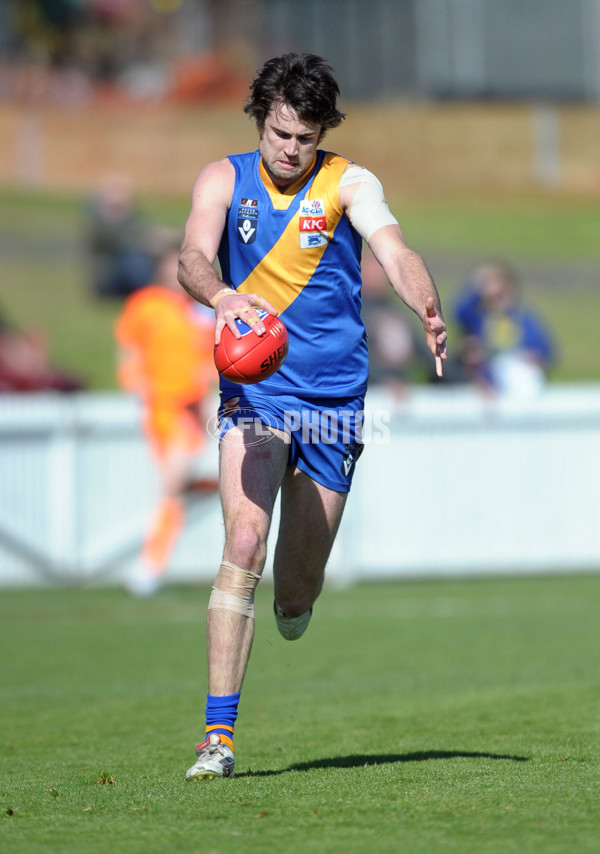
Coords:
369,210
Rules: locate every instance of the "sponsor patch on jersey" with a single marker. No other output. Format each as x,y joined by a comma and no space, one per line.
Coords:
312,241
312,223
312,207
247,221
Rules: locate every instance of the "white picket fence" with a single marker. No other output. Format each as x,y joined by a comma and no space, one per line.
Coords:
449,483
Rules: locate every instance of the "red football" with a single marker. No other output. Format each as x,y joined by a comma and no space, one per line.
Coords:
252,357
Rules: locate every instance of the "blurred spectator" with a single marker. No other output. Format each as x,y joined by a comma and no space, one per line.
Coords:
392,347
166,344
118,240
25,366
506,347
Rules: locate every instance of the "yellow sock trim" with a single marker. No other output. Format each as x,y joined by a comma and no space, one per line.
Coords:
224,738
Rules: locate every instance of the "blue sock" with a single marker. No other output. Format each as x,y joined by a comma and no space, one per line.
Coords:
221,714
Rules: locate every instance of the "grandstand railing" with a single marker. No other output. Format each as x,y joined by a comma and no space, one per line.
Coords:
449,483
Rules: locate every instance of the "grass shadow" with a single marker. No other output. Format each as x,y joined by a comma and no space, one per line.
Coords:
362,760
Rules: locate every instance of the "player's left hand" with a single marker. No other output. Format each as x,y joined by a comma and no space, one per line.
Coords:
435,334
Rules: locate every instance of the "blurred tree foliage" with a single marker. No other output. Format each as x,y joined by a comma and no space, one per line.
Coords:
98,37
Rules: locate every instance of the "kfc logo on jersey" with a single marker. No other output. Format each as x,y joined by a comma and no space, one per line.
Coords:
247,220
313,223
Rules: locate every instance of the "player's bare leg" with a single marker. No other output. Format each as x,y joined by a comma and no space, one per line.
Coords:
250,476
310,518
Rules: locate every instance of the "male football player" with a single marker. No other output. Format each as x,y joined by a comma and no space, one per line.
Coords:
287,223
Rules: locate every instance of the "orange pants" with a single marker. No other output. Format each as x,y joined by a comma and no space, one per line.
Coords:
163,534
171,429
172,426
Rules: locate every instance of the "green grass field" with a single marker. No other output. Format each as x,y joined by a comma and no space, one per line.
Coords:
440,716
44,281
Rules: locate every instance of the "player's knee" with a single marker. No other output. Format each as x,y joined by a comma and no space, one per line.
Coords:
296,600
292,608
295,605
234,590
246,546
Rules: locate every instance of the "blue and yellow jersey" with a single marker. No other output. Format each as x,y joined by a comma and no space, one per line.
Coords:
298,250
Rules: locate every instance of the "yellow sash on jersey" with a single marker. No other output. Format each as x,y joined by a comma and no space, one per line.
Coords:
286,269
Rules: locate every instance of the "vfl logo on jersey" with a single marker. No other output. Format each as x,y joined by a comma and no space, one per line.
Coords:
313,223
247,220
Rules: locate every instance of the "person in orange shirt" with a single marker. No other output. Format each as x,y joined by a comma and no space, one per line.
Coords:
166,357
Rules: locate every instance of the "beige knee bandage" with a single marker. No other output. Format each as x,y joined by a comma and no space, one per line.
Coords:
234,590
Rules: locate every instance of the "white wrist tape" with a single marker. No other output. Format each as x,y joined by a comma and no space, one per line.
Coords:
235,590
369,210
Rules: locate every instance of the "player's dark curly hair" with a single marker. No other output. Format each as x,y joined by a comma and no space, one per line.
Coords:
305,82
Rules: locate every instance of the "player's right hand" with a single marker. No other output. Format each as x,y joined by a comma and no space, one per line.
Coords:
234,305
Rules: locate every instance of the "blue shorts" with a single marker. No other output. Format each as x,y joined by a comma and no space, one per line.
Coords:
325,435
